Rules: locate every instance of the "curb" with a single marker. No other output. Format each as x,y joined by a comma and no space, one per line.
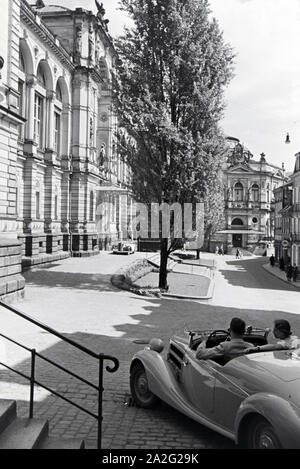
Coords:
297,287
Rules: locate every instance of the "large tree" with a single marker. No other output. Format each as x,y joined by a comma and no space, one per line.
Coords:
174,67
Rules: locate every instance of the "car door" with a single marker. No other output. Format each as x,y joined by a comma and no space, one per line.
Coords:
229,394
198,379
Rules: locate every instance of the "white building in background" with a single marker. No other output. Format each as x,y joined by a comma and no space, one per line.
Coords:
249,200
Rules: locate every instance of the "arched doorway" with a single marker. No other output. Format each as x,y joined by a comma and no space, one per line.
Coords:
237,238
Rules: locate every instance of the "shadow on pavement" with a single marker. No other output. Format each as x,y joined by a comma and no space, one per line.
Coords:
250,274
71,280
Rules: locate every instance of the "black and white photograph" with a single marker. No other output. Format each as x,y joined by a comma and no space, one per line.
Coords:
149,228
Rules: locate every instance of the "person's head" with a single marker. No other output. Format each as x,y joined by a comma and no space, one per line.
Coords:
282,329
237,328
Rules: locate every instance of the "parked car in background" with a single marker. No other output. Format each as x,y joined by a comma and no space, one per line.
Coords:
122,248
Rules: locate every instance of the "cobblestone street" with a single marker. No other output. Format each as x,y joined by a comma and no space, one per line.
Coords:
76,298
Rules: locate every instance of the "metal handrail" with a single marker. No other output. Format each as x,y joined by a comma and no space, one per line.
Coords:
101,358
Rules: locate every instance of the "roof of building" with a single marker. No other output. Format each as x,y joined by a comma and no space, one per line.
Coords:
54,9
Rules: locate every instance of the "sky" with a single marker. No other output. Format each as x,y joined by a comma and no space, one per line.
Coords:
263,99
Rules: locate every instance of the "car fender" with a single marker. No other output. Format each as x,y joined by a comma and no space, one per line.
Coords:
162,381
161,377
282,415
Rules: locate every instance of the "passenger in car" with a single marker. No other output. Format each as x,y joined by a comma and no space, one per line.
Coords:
282,331
233,348
287,341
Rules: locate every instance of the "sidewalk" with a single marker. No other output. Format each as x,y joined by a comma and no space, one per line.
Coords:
281,275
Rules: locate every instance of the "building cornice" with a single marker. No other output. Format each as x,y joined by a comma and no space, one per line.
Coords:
35,23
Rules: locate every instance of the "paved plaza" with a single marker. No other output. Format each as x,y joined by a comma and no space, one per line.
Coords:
76,298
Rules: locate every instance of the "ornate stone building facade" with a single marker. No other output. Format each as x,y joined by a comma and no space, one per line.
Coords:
295,215
249,200
283,212
287,218
59,153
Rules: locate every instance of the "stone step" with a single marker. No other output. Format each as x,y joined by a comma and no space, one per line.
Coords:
24,434
52,443
8,413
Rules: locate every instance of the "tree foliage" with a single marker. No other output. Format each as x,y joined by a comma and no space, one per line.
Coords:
174,67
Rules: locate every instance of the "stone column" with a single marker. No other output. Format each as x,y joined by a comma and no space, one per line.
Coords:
31,83
66,130
65,203
50,121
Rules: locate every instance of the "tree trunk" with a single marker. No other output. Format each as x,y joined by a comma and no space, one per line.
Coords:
163,271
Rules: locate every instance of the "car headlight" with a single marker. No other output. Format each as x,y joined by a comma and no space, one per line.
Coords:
157,345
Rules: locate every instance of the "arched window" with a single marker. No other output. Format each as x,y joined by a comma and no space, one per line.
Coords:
40,109
238,192
41,77
237,222
22,62
22,92
255,193
39,120
92,206
62,118
57,120
58,93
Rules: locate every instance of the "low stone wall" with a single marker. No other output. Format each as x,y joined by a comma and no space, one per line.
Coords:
30,262
125,277
11,280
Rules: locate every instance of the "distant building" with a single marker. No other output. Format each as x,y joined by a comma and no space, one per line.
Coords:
295,220
283,211
249,200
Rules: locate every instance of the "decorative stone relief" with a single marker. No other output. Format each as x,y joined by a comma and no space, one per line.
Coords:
102,155
104,117
78,43
91,44
98,50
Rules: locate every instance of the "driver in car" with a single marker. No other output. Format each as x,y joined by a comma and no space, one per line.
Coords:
233,348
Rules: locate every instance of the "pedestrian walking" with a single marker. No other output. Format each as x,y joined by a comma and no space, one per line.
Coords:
272,260
217,249
222,250
237,256
295,273
281,263
289,272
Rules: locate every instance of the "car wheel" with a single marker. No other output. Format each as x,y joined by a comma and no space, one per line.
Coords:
261,435
140,391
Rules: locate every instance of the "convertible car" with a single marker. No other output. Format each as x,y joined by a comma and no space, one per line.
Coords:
253,399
